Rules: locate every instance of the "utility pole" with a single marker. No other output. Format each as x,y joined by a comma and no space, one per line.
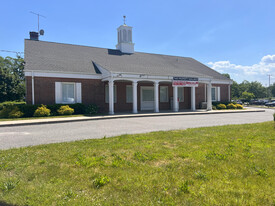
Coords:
269,75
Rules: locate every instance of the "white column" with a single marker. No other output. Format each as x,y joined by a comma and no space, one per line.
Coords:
135,97
111,96
32,88
209,96
175,99
156,94
229,92
193,98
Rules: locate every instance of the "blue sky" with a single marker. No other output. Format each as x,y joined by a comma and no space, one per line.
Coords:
235,37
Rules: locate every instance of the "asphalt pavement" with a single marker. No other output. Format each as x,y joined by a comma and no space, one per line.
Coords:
22,136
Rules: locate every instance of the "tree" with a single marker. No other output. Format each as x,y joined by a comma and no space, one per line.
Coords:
247,96
12,80
226,75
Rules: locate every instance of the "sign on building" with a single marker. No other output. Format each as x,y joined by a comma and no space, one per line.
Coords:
185,81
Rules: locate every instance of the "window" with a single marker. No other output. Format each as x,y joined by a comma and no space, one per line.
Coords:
107,93
129,94
68,92
215,94
181,94
147,94
163,93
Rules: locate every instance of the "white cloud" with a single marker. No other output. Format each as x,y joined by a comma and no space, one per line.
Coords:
255,72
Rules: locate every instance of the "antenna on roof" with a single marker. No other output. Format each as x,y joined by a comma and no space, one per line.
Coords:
41,32
124,19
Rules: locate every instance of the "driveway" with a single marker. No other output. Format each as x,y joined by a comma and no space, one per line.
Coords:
22,136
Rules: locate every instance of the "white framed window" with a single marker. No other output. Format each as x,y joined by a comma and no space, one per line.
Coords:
163,93
129,94
68,92
215,94
107,93
181,94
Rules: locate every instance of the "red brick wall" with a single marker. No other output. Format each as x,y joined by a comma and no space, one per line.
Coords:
93,91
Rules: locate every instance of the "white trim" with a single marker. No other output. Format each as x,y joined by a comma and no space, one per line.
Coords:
32,87
150,104
63,75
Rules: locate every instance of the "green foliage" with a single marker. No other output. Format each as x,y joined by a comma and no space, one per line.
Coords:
28,109
239,106
65,110
9,185
253,87
247,96
185,187
221,106
231,106
91,109
101,181
15,113
214,107
42,111
179,173
274,117
12,82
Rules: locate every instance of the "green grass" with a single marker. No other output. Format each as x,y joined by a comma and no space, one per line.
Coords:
228,165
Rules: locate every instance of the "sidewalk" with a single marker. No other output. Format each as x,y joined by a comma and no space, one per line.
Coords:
119,115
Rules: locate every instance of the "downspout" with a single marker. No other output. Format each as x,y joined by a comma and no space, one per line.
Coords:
32,88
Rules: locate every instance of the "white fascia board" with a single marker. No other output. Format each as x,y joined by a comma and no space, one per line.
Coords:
63,75
221,81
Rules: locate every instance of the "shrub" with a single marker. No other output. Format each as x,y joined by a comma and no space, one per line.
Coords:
231,106
91,109
42,111
78,108
239,106
65,110
221,106
274,117
101,181
214,107
4,113
28,109
15,113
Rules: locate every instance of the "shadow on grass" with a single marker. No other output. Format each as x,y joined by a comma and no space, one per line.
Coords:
6,204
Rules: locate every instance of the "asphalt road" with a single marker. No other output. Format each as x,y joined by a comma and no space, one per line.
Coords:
22,136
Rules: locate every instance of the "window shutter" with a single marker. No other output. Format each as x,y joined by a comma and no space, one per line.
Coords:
78,93
219,93
58,92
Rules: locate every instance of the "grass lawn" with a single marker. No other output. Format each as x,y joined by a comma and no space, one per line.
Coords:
227,165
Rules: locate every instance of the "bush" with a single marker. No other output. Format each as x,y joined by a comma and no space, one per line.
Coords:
92,109
274,117
28,109
239,106
214,107
15,113
65,110
221,106
42,111
231,106
78,108
4,113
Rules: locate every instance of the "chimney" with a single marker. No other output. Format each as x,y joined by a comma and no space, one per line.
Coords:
33,35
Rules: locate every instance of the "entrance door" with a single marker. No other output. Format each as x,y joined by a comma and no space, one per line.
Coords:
147,98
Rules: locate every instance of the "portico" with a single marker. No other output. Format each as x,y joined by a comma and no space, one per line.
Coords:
152,94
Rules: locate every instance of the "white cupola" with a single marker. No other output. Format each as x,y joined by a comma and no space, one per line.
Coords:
124,38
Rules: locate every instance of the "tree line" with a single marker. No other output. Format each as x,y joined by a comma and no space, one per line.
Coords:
12,83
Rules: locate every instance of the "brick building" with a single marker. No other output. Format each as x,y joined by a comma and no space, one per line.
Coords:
119,79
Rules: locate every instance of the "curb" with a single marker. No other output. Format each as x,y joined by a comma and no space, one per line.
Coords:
122,117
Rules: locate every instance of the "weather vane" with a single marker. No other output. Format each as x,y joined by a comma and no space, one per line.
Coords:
124,17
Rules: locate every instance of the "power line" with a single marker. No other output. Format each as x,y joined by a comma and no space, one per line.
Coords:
38,15
1,50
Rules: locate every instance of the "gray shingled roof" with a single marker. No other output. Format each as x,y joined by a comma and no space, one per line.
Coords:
58,57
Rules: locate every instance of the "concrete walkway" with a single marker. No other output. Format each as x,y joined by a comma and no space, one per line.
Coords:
119,115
